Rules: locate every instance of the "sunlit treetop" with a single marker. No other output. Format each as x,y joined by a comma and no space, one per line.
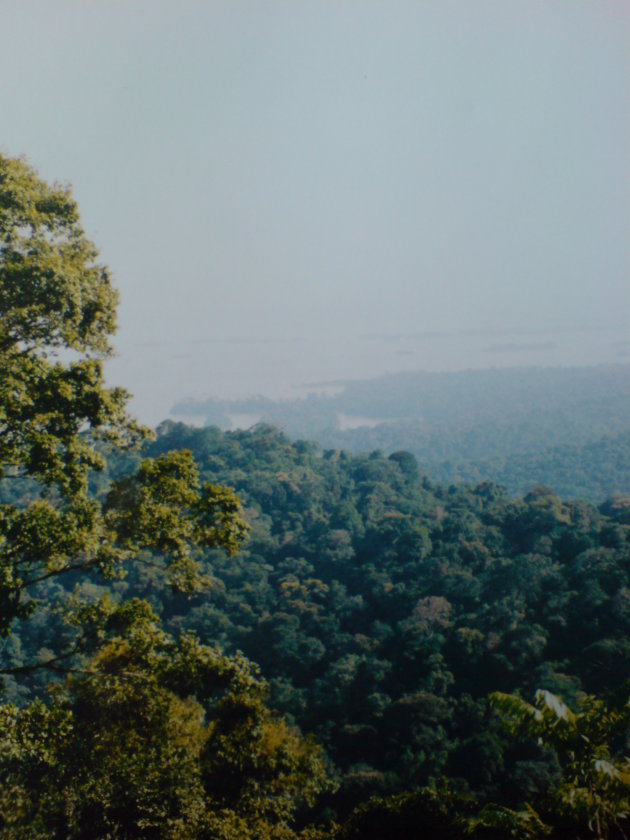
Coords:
57,416
53,292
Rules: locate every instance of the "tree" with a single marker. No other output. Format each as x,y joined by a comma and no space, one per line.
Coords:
148,736
58,418
592,798
154,738
408,816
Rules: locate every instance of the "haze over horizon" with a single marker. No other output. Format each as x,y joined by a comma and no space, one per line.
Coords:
293,193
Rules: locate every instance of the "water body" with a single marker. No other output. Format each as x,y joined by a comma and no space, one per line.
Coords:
161,374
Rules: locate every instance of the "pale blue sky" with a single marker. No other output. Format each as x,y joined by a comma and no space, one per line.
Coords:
315,172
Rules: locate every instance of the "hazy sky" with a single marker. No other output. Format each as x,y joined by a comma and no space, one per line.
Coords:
343,185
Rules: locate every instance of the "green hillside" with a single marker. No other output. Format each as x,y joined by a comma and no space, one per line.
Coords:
568,428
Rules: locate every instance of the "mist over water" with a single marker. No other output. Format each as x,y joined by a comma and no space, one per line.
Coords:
161,374
297,193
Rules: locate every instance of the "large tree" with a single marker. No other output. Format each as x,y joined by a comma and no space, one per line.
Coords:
58,418
154,738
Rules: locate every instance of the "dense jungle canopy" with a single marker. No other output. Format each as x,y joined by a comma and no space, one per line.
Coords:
239,635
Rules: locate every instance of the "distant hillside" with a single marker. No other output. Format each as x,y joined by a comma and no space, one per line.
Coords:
594,470
568,428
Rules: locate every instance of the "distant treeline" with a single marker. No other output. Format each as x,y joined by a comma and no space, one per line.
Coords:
568,428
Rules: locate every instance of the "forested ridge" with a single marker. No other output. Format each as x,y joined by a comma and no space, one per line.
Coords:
238,635
564,427
384,609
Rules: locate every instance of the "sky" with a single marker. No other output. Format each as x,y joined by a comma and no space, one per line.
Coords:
297,192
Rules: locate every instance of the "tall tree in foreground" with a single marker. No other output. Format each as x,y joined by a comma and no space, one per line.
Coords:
57,417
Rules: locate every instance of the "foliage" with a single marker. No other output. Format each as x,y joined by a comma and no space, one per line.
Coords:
149,735
58,312
501,822
428,813
566,428
154,738
592,797
384,609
